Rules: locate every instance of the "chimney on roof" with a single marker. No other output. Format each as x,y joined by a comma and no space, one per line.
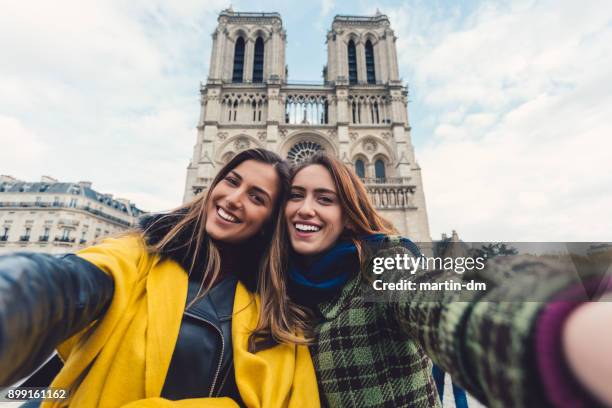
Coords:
47,179
85,184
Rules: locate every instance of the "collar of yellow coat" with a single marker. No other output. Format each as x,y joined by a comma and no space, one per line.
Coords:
125,356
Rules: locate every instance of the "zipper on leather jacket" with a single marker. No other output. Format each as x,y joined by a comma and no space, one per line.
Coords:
212,387
227,373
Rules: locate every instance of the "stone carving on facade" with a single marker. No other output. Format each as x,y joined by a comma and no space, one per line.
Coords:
303,149
345,159
386,136
353,136
283,133
242,143
222,135
403,159
332,134
205,158
370,145
274,96
262,136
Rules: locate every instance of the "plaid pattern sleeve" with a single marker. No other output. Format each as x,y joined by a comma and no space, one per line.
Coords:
487,345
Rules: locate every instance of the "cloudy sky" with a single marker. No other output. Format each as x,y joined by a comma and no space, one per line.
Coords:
510,102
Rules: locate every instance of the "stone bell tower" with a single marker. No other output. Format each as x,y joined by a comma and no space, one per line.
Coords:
358,112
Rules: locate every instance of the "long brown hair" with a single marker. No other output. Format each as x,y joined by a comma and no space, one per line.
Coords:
184,232
362,218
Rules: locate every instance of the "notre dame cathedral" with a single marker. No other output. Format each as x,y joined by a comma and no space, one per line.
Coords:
358,112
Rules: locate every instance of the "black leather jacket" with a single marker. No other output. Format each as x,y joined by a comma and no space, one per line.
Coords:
45,299
202,363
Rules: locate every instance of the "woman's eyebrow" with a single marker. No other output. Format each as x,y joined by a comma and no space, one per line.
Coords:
316,190
256,188
262,191
236,174
325,191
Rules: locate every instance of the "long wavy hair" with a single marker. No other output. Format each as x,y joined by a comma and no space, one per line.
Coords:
182,233
357,208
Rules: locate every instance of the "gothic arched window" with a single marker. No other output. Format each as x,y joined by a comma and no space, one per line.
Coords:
238,60
352,62
303,150
379,169
369,55
360,168
258,60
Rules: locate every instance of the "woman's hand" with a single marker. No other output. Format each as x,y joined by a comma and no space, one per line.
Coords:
587,344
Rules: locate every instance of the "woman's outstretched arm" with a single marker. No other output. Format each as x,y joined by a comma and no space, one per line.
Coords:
489,340
44,300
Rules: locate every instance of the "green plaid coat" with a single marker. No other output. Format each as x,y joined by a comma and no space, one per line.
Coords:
377,354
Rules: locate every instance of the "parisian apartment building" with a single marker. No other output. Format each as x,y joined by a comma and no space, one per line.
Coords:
58,217
357,111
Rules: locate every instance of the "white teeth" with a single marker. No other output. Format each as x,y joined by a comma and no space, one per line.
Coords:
307,228
226,216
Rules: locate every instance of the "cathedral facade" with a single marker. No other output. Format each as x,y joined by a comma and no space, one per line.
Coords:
358,112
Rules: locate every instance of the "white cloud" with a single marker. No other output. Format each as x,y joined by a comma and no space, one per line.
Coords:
104,91
19,145
520,104
322,21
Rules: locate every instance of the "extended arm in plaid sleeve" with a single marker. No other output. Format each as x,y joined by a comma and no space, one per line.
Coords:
486,344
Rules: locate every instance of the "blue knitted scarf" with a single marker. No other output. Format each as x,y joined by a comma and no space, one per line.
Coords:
312,281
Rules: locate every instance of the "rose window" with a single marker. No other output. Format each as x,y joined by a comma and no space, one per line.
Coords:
303,150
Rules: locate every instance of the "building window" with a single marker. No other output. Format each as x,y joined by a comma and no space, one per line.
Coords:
65,234
306,109
379,169
4,236
26,236
45,236
370,70
73,203
352,62
375,113
356,112
258,60
360,168
238,60
303,150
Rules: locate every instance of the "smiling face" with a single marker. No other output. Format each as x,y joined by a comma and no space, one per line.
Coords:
313,212
241,203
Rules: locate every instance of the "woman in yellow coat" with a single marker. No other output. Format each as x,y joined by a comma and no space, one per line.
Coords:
166,315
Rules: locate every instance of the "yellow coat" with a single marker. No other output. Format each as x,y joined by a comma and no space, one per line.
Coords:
122,360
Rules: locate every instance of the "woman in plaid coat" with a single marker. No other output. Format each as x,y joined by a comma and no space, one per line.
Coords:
373,353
